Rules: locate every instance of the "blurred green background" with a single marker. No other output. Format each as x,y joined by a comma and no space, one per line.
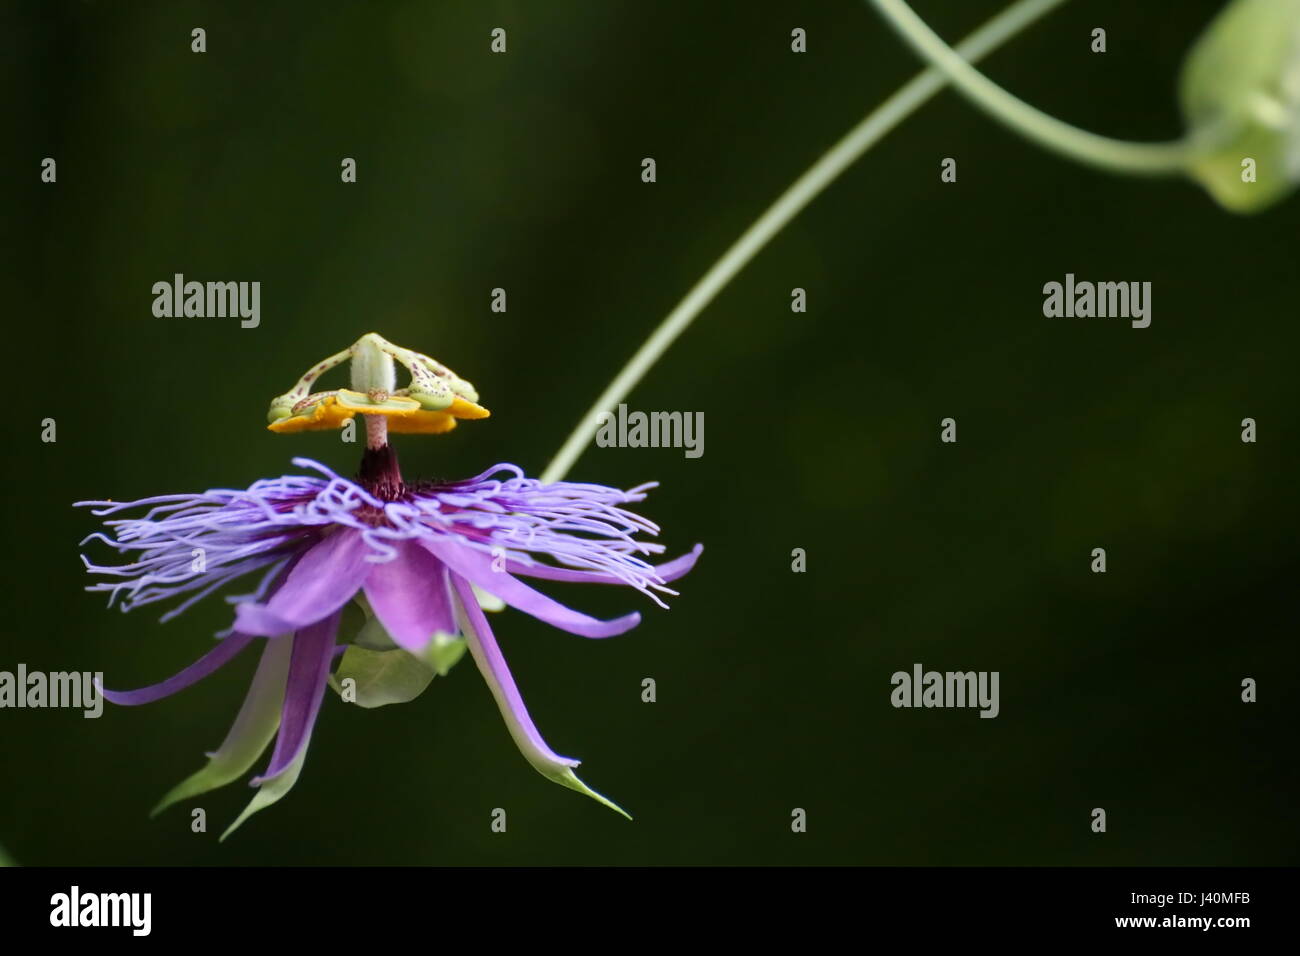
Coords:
523,171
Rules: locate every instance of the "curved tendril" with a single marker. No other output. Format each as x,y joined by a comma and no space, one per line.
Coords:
803,191
1143,159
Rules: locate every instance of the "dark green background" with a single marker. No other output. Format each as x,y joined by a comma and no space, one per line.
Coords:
522,171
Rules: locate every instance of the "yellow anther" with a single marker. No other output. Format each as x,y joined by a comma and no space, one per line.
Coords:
405,416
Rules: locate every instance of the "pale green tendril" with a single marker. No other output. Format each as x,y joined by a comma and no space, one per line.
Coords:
1032,123
804,190
1241,92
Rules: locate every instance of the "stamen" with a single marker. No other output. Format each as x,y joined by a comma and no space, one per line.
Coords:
430,405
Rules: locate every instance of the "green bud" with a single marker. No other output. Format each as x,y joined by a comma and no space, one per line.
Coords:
1240,89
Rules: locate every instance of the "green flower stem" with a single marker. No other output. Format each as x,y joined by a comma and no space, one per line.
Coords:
1047,131
806,188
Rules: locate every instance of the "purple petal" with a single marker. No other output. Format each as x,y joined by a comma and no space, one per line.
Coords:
319,584
492,664
309,667
225,650
476,567
668,571
410,596
253,729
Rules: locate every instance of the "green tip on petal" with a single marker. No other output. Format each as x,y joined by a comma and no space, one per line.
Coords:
269,792
1240,89
253,730
488,602
567,778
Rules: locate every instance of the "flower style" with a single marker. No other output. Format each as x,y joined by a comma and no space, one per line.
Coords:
423,560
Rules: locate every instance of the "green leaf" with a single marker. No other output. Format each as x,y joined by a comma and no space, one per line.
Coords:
353,618
374,636
381,677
